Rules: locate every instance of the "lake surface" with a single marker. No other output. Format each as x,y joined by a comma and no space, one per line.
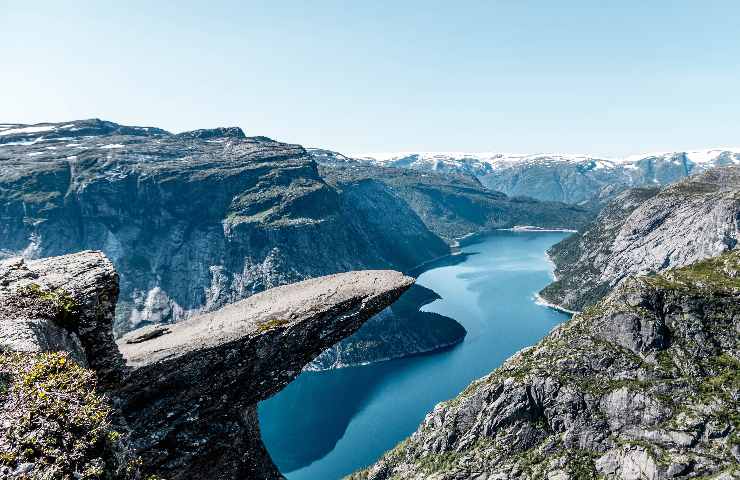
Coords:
328,424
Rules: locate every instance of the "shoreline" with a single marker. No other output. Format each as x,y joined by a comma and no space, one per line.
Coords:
549,259
430,351
531,228
537,298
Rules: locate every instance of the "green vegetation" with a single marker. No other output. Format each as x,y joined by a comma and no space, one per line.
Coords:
59,422
60,304
720,275
271,324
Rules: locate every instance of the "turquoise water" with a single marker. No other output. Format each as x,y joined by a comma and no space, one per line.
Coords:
328,424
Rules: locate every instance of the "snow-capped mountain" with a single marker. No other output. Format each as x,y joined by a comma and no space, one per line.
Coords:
569,178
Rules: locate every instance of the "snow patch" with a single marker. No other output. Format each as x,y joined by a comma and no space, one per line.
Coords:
13,131
23,143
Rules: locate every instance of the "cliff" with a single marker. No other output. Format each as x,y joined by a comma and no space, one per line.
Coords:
172,400
643,385
647,230
197,220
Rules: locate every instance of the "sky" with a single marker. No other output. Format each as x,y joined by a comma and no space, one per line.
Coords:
600,77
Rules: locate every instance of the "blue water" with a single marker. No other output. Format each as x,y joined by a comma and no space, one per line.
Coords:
328,424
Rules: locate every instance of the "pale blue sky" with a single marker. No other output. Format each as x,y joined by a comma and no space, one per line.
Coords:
592,76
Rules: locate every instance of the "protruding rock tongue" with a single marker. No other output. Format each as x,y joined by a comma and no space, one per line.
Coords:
193,386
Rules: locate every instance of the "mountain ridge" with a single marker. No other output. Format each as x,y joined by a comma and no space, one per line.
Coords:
571,178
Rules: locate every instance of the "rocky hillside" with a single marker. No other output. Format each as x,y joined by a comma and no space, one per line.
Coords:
452,206
549,177
75,404
643,385
648,230
197,220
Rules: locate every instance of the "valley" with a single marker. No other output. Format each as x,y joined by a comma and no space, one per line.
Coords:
489,287
169,233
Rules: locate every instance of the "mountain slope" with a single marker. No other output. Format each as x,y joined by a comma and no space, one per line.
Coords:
644,385
549,177
196,220
454,206
648,230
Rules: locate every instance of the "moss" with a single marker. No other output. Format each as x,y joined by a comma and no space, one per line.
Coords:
665,361
581,466
716,275
59,421
725,379
62,304
270,324
438,462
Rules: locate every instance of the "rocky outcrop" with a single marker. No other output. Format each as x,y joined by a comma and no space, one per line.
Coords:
643,385
65,303
184,401
648,230
58,365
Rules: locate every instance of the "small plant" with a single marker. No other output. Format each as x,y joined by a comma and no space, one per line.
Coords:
58,303
59,420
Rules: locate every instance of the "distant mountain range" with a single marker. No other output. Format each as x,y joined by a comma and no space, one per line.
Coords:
551,177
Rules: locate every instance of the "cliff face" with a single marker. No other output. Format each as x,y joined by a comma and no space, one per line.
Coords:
192,221
201,219
643,385
648,230
183,405
198,220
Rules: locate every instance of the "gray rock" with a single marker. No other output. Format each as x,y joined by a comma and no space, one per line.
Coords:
201,219
648,230
186,428
186,398
37,296
590,401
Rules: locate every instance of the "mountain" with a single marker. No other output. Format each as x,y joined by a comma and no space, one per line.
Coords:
197,220
76,404
549,177
647,230
643,385
452,206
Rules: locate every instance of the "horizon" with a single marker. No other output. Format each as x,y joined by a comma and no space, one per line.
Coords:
613,81
388,154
